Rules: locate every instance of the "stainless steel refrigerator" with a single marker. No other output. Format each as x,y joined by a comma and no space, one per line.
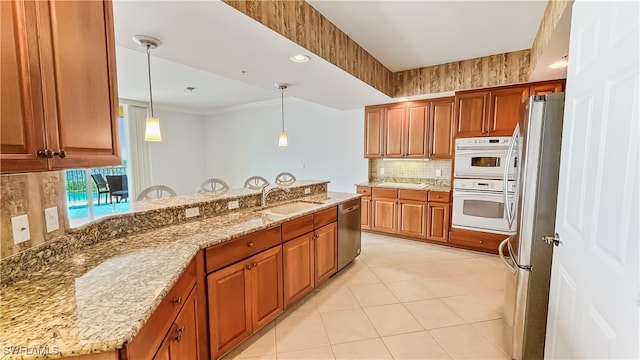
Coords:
536,142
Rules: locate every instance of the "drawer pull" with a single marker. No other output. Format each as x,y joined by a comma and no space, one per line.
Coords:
178,337
250,244
177,300
254,264
249,267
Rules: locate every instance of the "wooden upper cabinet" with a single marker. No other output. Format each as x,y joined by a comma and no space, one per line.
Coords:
547,87
21,109
394,142
373,131
505,109
440,128
66,104
416,130
472,111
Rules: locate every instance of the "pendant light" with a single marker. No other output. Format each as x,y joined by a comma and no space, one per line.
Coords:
282,140
152,128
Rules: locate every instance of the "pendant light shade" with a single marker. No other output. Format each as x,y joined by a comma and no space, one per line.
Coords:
282,139
152,128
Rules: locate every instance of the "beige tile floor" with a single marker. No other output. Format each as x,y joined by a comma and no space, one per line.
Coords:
400,299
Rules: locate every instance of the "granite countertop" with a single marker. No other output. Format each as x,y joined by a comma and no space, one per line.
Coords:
99,298
436,185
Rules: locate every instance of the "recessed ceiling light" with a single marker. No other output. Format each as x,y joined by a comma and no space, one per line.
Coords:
564,62
299,58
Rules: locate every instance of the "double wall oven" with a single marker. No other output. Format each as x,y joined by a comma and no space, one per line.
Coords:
484,185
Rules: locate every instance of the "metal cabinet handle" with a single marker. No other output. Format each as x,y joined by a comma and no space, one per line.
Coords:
179,330
60,153
47,153
254,264
177,300
249,267
250,244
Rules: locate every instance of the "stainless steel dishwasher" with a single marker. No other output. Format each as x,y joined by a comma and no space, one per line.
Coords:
349,236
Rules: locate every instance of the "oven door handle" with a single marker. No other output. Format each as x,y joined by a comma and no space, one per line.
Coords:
505,177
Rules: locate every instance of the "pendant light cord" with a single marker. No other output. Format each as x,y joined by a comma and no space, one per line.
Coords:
149,68
282,105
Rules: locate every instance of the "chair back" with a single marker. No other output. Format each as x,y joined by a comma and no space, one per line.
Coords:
285,179
256,183
156,192
117,182
212,185
101,184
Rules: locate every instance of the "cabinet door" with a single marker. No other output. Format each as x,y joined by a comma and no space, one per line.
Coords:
326,255
229,307
298,273
373,131
412,218
384,215
416,128
21,109
266,286
164,353
471,113
365,219
438,221
394,143
82,117
506,105
546,88
184,334
440,129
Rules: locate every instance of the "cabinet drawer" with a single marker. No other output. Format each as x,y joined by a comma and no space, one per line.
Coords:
384,193
324,217
152,333
439,196
296,227
417,195
365,190
476,240
221,255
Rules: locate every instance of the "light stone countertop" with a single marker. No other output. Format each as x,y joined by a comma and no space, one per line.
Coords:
100,297
428,186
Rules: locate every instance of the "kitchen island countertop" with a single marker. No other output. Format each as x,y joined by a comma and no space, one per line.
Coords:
100,297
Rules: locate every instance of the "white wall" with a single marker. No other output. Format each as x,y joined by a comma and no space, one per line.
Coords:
179,160
324,144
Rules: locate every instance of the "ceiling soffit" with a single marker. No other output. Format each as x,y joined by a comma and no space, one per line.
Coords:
301,23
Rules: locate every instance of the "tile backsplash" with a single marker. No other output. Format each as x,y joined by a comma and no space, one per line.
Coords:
30,194
409,169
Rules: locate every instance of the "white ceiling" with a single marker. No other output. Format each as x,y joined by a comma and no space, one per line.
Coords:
207,45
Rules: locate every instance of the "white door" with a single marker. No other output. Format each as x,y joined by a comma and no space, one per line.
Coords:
594,299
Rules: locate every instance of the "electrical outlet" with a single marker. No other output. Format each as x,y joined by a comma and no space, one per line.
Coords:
438,172
307,191
20,226
192,212
51,219
233,204
381,171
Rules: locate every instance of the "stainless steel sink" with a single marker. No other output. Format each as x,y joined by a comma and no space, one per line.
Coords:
290,208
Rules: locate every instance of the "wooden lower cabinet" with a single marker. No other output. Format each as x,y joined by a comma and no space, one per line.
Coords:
383,215
182,340
244,297
438,221
365,218
298,268
412,218
326,254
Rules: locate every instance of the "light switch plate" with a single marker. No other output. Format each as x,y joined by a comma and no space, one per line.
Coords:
438,172
20,226
381,171
192,212
51,219
307,191
233,204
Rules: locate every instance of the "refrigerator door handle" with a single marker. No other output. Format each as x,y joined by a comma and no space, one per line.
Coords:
511,268
505,177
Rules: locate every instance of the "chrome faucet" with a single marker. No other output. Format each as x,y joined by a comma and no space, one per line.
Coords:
266,192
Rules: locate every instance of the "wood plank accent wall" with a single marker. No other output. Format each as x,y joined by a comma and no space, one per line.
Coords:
301,23
499,69
552,14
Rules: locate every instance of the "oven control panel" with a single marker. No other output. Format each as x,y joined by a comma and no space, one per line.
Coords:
483,185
